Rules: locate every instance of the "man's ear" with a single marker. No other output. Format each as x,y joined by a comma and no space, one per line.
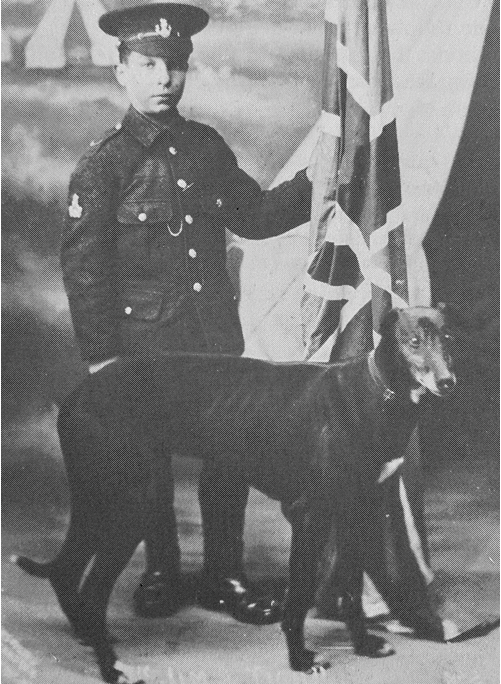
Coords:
120,73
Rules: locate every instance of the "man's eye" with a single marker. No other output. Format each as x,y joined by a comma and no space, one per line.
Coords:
414,341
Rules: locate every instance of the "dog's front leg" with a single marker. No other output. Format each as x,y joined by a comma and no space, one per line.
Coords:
308,532
351,546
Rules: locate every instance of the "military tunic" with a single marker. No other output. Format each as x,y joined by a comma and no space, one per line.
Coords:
143,247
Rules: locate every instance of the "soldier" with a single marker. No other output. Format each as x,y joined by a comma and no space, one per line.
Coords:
143,257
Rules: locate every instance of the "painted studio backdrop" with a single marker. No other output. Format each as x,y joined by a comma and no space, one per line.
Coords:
256,76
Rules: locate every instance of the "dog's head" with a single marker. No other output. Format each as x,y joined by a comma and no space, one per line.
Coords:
417,342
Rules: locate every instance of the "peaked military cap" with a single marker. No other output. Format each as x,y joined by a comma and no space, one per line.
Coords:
156,30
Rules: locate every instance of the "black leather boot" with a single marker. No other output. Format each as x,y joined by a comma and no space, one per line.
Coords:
158,595
240,599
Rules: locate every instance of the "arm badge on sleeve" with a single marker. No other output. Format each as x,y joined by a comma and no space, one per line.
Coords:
75,210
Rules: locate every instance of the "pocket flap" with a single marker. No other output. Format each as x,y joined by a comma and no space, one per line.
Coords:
142,305
145,212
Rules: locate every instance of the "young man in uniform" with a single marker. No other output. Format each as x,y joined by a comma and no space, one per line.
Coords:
143,257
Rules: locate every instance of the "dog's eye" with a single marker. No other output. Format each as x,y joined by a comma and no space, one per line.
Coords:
448,338
414,341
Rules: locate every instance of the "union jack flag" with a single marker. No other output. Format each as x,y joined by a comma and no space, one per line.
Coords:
358,266
358,269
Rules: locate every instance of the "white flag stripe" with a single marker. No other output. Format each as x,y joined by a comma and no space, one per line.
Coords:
379,121
413,535
368,98
397,301
378,276
332,11
372,275
323,353
379,238
343,231
362,296
372,601
326,291
356,83
330,123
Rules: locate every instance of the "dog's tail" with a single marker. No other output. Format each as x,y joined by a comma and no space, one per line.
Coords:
32,567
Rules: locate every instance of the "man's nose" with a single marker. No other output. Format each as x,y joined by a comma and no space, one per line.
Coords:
163,74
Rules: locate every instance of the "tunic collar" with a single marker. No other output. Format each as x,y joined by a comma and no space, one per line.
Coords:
147,130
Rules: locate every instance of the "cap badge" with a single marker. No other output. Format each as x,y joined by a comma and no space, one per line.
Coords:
75,210
163,29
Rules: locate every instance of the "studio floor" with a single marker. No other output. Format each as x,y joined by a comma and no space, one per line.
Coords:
197,646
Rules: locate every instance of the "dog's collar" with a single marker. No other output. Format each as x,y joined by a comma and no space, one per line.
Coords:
376,376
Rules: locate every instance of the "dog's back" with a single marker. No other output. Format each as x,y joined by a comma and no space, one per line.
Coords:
269,415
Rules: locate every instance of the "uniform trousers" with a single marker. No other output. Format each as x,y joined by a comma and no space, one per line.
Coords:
222,491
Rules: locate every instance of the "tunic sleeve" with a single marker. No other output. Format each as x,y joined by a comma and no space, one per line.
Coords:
88,257
256,214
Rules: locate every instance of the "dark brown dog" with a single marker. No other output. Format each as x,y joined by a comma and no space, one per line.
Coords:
313,436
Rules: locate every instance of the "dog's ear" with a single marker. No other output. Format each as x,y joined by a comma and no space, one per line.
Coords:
388,323
447,310
452,315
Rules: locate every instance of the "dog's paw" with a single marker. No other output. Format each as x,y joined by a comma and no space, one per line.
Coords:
318,668
374,647
120,673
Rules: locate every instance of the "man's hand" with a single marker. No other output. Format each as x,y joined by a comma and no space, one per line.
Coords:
94,367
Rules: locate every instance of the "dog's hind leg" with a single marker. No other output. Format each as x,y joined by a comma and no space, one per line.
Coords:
78,446
116,546
308,536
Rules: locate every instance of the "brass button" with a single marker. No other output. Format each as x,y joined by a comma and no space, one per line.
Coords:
172,150
182,183
142,216
118,126
189,219
219,202
128,310
192,252
197,287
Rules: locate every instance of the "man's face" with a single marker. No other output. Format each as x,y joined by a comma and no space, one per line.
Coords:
154,84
